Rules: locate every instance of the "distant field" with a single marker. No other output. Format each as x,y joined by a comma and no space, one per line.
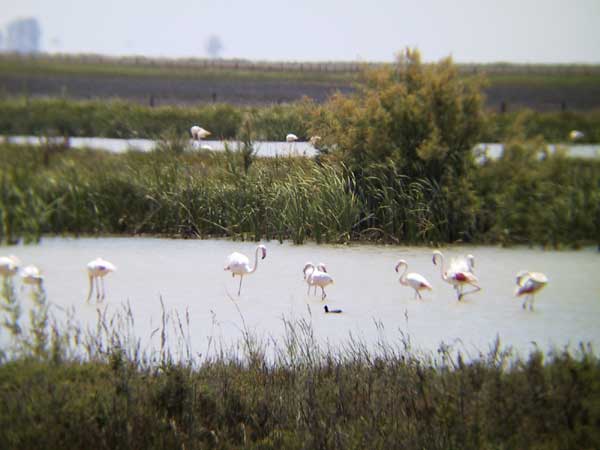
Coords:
241,82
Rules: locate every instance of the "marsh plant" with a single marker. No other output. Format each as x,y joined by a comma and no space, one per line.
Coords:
65,386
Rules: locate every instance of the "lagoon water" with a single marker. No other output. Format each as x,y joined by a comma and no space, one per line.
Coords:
274,148
188,275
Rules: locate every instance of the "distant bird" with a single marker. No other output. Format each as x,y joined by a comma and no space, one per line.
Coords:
199,133
413,280
239,264
316,277
576,135
321,267
97,270
333,311
9,265
291,138
32,276
528,284
459,274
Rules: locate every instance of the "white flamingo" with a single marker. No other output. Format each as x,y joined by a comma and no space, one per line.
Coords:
32,276
199,133
413,280
316,277
97,270
291,138
528,284
9,265
459,274
239,264
321,267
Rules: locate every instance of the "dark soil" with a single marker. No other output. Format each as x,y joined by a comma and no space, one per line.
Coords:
164,91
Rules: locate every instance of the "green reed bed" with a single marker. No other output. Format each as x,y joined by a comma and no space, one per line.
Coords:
65,386
517,199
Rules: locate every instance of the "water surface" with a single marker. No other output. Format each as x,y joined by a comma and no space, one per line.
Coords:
188,275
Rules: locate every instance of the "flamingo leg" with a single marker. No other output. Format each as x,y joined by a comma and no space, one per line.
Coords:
91,288
103,288
418,294
472,291
240,288
308,292
324,294
97,288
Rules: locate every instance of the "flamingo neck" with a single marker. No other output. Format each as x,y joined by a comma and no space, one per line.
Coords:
442,266
403,274
253,269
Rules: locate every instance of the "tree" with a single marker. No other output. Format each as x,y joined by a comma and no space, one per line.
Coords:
422,118
214,46
407,136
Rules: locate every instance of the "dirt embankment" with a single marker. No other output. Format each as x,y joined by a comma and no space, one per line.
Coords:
164,91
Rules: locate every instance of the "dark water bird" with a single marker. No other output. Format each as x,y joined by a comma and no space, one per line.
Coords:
333,311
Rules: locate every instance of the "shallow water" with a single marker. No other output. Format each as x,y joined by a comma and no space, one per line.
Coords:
275,148
188,275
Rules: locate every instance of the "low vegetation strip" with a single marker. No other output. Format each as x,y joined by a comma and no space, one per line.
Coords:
64,387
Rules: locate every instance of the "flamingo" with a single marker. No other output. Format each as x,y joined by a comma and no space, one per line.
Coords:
291,138
97,270
317,277
9,265
414,280
459,274
239,264
32,276
528,284
199,133
321,267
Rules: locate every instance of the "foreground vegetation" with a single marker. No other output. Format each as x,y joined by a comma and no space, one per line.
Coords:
66,387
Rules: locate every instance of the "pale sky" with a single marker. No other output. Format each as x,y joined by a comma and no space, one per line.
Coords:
521,31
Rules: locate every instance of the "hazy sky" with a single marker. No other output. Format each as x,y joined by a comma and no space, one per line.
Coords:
552,31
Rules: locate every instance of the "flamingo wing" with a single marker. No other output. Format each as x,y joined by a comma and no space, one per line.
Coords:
237,263
418,281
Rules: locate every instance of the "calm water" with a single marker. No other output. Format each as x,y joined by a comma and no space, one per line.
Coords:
272,148
188,275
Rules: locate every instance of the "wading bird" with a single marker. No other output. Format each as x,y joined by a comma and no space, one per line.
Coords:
413,280
317,277
321,267
291,138
334,311
239,264
9,265
199,133
97,270
528,284
32,276
459,274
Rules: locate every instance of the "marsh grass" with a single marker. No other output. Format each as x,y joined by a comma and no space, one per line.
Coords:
63,386
177,192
